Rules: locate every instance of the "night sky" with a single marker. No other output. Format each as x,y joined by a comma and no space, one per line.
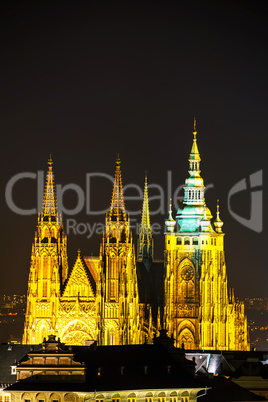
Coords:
84,81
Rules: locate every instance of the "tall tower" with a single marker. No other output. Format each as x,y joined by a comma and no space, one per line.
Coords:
117,289
145,239
48,269
197,310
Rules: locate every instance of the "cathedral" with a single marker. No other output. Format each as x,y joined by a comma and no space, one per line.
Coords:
122,297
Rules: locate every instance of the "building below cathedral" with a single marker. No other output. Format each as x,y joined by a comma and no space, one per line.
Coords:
158,372
120,298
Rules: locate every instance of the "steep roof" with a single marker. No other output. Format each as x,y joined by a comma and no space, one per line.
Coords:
81,277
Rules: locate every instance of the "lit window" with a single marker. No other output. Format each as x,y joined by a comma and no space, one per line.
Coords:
99,400
6,398
162,399
45,289
185,399
173,399
115,400
149,399
131,399
13,370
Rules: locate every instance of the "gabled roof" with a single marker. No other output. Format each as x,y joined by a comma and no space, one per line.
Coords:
81,277
92,264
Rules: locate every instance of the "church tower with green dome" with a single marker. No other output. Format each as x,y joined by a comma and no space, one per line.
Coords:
198,310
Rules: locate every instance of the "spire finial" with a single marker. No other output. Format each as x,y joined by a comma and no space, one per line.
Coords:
50,162
170,207
194,132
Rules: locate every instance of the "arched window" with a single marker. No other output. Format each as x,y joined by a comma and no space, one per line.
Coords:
131,397
187,241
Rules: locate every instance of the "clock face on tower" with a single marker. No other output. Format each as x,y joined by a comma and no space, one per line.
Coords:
187,273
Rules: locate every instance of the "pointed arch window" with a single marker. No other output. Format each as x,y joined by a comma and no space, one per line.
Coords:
44,289
45,266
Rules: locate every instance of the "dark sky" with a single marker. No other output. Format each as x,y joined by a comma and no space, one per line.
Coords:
86,80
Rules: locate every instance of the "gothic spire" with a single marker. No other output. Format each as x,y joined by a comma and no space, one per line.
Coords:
50,202
145,239
117,210
145,218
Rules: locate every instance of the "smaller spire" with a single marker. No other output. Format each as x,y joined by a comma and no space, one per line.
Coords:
170,222
145,239
218,223
145,219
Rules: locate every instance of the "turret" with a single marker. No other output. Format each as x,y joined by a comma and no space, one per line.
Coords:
218,223
170,222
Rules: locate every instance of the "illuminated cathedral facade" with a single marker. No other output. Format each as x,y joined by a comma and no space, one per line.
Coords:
121,298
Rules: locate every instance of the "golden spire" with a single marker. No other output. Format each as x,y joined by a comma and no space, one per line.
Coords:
117,210
145,218
50,202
